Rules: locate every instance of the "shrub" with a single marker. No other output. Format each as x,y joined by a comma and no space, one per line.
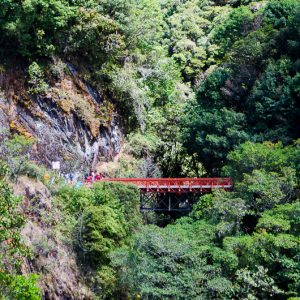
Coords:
14,152
104,216
19,287
36,79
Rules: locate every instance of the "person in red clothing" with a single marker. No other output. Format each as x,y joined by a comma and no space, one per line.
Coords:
98,177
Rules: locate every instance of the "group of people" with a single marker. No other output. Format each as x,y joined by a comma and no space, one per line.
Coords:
68,177
88,178
92,176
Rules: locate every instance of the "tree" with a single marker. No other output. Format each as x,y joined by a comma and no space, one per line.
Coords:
237,25
100,230
32,27
270,157
97,221
212,134
284,218
275,246
176,262
273,103
223,209
256,284
263,190
255,75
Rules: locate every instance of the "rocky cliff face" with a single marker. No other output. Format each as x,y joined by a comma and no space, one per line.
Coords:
71,122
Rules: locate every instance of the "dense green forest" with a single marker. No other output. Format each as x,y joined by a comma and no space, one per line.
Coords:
203,88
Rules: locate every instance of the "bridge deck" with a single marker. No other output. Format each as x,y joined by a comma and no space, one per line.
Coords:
176,185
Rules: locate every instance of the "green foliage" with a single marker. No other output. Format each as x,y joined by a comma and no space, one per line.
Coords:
11,222
275,246
284,218
203,204
256,75
237,25
140,145
273,101
175,262
260,156
265,175
208,92
185,29
32,27
278,12
12,249
97,221
101,229
19,287
36,79
258,222
223,209
123,198
212,134
256,284
263,190
194,80
92,26
128,196
74,200
15,152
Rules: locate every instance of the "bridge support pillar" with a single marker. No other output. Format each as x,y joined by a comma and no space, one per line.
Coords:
167,202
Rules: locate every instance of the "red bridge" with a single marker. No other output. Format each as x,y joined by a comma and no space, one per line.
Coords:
176,185
173,194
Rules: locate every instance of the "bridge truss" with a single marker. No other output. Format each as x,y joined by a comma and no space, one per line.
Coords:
173,194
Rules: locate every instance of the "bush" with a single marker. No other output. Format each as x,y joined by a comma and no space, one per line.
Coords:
99,220
104,216
36,80
19,287
101,229
15,153
12,249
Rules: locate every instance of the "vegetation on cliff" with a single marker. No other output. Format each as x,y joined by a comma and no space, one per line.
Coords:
12,249
203,88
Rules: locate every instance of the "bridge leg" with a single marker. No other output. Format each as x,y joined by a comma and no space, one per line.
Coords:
167,202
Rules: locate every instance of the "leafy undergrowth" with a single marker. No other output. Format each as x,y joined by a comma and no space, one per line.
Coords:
96,221
12,249
204,88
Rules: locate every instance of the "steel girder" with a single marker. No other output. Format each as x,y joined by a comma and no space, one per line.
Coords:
167,202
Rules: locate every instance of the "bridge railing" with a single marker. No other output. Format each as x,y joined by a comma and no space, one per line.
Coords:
175,184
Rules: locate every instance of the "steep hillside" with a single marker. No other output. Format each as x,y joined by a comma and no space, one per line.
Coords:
55,262
149,88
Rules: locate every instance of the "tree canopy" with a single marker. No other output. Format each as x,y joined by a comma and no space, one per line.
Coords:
201,88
